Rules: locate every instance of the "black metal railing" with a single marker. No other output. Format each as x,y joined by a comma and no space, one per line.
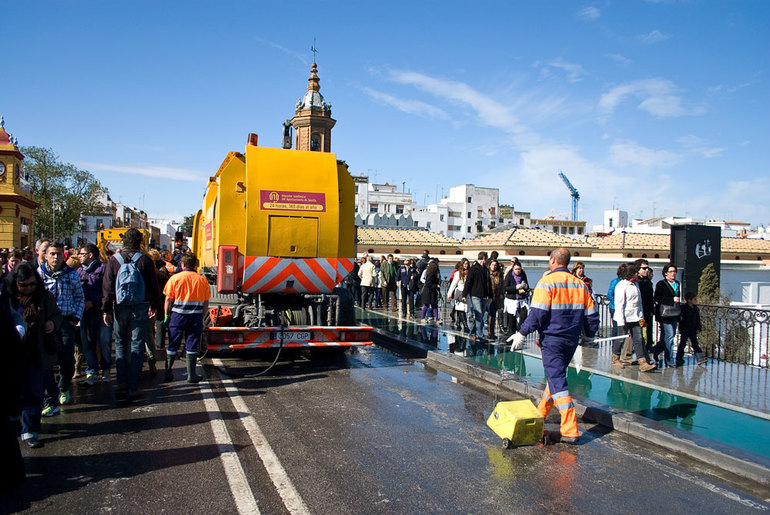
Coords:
730,333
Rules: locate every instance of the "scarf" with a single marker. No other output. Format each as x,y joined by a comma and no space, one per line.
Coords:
31,310
55,274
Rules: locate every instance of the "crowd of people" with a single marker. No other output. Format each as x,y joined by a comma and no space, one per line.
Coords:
635,304
66,310
482,296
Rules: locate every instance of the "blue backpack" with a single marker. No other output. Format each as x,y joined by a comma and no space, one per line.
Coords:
129,283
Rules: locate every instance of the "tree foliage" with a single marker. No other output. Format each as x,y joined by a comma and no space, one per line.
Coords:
65,193
708,286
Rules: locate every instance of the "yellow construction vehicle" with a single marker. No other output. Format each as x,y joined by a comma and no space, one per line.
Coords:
276,235
112,239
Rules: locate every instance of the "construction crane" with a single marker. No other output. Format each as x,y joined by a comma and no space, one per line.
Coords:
574,193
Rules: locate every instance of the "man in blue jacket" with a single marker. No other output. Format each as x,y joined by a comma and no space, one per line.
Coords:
93,332
561,306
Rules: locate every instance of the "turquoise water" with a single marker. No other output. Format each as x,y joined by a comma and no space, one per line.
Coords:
721,424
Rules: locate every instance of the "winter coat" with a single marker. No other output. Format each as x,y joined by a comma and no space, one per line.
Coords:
367,273
147,269
689,320
664,294
477,284
456,287
511,285
628,303
35,338
65,286
648,301
429,294
91,278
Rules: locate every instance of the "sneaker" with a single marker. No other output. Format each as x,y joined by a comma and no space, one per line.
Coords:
90,380
105,378
64,397
50,411
33,443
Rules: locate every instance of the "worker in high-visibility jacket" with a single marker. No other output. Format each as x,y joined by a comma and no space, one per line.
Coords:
561,306
187,302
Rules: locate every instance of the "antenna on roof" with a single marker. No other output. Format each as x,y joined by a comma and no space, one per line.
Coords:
314,50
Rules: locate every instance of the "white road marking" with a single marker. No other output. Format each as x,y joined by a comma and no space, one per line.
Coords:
284,485
236,477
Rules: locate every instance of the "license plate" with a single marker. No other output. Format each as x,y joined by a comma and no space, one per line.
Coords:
294,336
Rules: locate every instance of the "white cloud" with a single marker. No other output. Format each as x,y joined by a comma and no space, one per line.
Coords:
408,106
620,59
158,172
589,13
699,146
653,37
630,153
574,71
301,57
657,98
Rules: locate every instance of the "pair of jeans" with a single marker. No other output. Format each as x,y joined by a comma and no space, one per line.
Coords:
66,359
669,335
635,331
130,331
32,391
614,324
95,334
478,308
407,301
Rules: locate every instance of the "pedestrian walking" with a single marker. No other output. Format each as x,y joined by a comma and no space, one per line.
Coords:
95,335
689,327
561,307
64,283
130,297
477,293
667,311
630,317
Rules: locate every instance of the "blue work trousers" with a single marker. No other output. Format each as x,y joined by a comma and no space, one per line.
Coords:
556,357
180,325
130,330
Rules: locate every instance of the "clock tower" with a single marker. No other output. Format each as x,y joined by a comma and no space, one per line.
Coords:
313,120
16,202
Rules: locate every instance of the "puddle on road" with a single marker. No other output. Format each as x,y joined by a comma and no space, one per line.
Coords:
721,424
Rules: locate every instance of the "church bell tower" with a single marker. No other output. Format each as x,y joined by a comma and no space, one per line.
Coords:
313,120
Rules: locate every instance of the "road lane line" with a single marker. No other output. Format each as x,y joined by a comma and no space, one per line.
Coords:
284,485
236,477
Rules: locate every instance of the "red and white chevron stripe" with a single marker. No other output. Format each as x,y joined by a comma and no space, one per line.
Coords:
285,275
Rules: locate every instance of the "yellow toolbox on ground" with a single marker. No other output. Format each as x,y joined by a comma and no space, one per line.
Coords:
517,423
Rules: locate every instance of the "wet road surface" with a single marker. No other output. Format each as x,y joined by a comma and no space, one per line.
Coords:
372,432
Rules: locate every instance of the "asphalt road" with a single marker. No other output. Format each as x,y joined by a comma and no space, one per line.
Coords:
372,433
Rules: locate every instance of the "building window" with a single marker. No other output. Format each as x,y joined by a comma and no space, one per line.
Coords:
399,209
315,143
612,222
492,212
427,225
479,213
441,217
373,208
469,200
469,229
521,221
580,230
469,214
556,230
572,230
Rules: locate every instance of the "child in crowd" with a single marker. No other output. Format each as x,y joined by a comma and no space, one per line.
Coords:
689,327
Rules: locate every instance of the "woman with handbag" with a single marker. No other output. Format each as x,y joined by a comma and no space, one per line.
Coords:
667,311
456,292
430,291
42,342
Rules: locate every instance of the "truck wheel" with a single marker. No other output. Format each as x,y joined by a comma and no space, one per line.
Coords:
347,311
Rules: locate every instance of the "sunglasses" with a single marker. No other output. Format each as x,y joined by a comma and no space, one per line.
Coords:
644,268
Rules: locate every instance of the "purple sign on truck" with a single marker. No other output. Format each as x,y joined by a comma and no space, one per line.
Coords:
292,201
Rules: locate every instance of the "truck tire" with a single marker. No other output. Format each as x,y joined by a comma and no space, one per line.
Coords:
347,311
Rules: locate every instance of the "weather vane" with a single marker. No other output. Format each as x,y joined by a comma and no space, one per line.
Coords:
313,49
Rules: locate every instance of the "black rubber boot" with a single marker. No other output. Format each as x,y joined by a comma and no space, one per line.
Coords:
169,363
192,376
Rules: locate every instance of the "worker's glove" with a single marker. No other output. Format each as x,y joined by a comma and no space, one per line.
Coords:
588,341
166,321
517,341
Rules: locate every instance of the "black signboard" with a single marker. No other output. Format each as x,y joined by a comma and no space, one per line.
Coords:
693,248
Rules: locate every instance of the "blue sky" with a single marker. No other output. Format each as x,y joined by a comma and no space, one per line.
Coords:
655,107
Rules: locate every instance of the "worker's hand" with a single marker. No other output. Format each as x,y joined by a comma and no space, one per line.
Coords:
166,321
517,341
108,320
